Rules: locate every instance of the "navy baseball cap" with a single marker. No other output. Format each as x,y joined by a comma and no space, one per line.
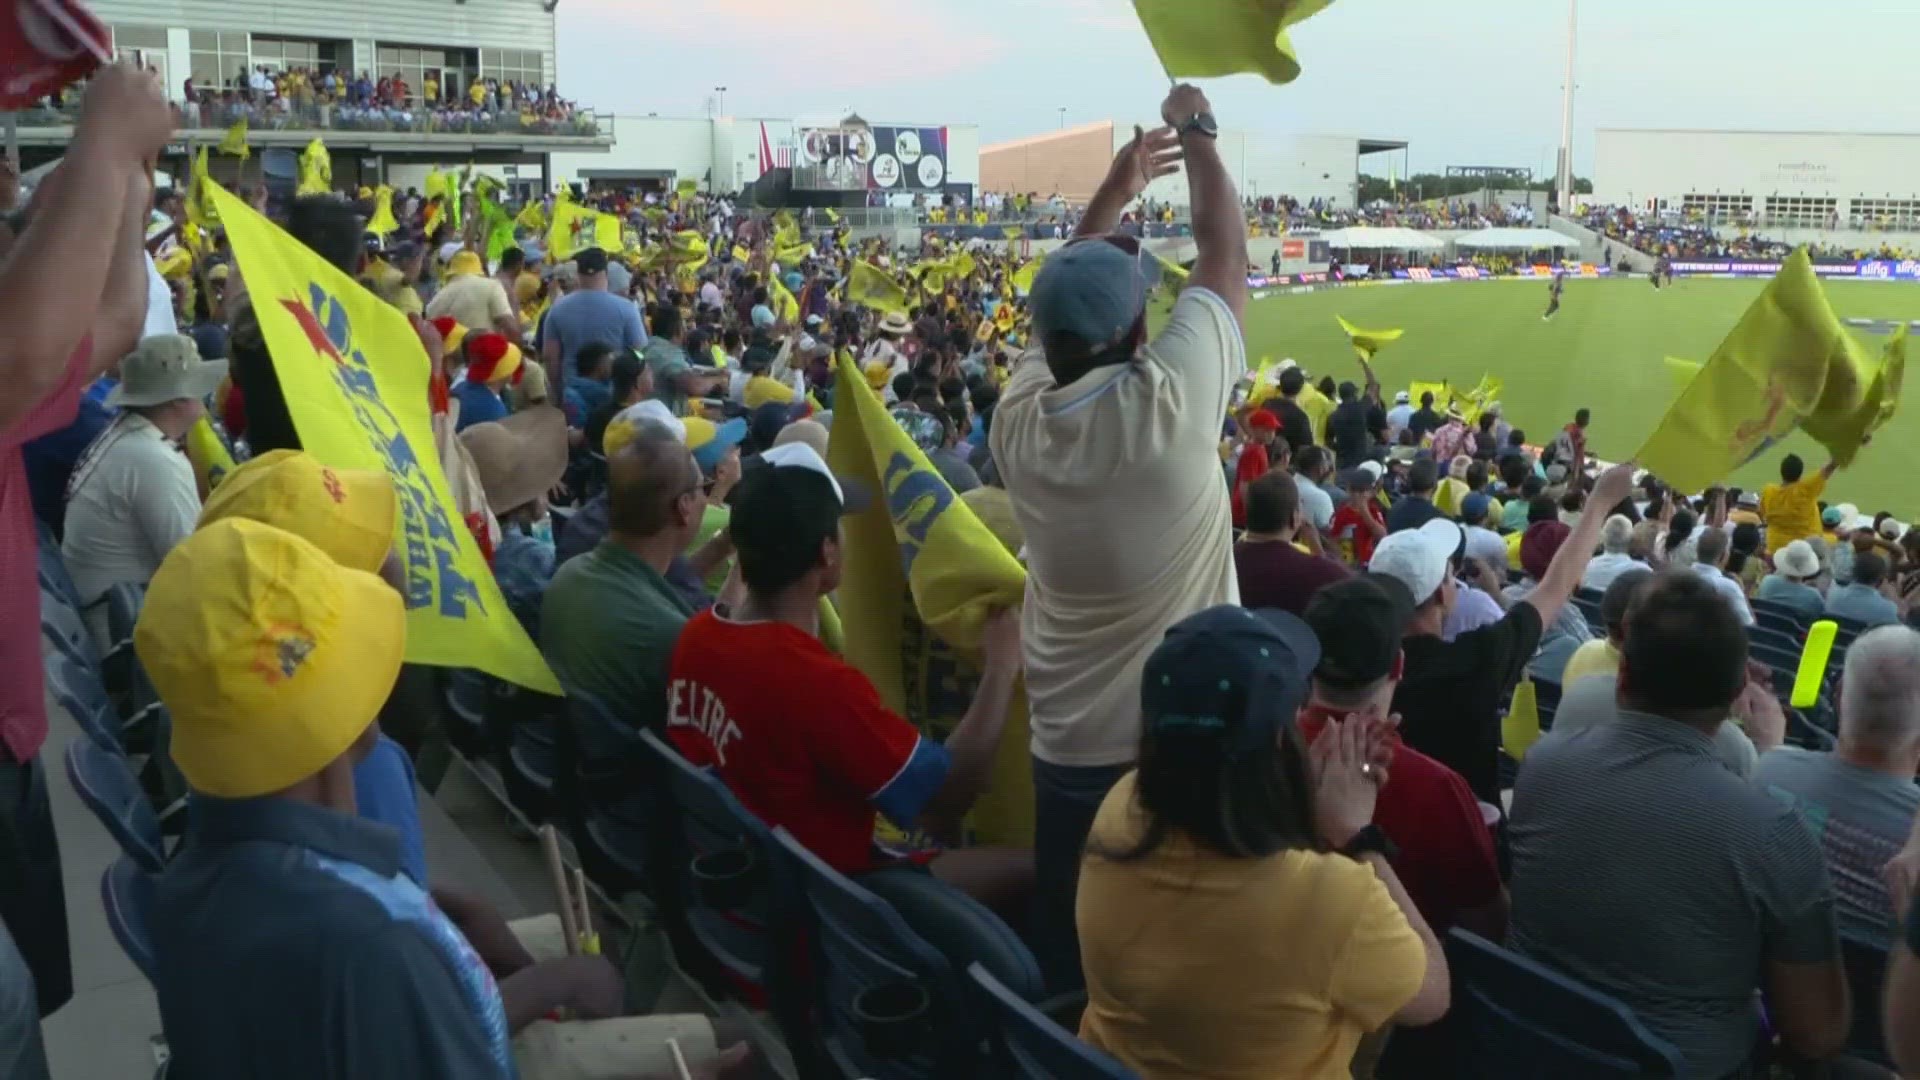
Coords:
1229,675
1089,293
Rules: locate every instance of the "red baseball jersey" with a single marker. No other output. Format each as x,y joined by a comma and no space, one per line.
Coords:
800,736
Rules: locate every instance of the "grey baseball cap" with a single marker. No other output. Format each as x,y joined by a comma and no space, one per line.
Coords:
1088,294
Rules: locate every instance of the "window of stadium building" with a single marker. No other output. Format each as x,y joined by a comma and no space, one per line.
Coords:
1797,210
1718,207
1883,213
217,56
286,54
521,67
144,46
451,69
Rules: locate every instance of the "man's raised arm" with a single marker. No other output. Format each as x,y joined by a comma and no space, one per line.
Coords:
1219,223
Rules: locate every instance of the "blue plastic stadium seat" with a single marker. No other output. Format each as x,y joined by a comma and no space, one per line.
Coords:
1523,1020
885,1003
104,780
78,690
1028,1046
126,895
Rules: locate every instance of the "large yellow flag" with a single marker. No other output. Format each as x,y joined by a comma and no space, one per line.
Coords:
1022,279
532,217
382,222
576,228
1787,363
235,142
1367,342
316,169
921,575
786,309
355,378
875,288
199,201
1199,39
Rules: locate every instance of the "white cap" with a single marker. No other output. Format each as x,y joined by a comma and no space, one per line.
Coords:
799,455
1401,397
1849,517
1418,558
1892,528
1797,561
657,412
1372,468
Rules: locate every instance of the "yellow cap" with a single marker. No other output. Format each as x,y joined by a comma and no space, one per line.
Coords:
272,659
465,264
347,513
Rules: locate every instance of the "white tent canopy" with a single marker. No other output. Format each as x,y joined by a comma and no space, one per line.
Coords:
1367,238
1514,240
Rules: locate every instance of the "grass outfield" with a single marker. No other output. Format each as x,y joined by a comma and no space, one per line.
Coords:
1605,350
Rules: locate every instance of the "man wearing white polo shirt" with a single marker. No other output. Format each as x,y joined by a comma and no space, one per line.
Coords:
1107,443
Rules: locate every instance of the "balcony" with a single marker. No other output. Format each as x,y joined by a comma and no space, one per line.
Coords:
372,127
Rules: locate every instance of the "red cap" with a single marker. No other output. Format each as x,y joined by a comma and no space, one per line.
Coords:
1262,420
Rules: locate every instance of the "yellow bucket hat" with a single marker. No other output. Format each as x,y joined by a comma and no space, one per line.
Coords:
271,658
347,513
465,264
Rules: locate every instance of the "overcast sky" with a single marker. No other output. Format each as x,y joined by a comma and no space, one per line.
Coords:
1466,82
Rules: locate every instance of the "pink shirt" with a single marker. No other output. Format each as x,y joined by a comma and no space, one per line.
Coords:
23,709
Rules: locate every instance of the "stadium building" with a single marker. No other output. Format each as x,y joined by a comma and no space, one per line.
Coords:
1071,162
455,42
845,162
1790,179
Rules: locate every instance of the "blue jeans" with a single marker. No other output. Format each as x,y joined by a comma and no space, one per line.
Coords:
1065,800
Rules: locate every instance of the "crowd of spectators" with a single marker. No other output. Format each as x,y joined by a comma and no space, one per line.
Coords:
1277,641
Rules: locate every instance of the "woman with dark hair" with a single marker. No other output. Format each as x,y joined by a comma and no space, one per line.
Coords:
1237,916
1676,548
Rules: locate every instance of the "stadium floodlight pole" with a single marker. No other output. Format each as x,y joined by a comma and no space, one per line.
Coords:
1566,116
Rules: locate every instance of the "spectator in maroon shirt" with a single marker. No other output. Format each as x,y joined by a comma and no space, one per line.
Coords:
1446,856
1443,844
1273,573
63,330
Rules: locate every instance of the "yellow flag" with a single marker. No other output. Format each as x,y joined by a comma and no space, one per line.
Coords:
235,141
199,202
1367,342
532,217
687,187
1481,396
875,288
1201,39
792,254
1022,278
833,216
1520,728
785,308
741,254
576,228
1787,363
1442,394
316,169
355,379
382,222
921,575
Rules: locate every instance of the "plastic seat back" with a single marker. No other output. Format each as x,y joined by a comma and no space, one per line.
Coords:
104,780
1523,1020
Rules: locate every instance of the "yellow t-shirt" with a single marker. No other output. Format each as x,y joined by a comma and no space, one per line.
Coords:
1200,965
1792,510
1318,407
477,91
1596,657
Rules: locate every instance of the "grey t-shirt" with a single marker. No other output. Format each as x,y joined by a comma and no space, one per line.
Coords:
1645,869
581,318
1589,701
1861,818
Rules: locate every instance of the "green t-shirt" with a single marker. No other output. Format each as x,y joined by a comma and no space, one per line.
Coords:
608,625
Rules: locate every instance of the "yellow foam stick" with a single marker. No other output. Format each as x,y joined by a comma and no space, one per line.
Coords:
1813,663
